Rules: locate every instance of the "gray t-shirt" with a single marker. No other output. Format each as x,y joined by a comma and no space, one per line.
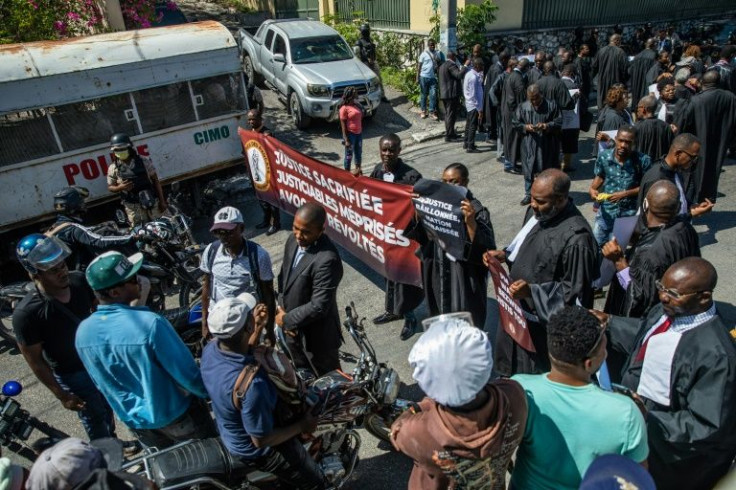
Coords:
231,276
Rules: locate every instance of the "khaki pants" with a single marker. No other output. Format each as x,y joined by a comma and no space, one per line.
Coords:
139,216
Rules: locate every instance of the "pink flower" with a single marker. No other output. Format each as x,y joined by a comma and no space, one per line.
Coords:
73,15
171,5
60,27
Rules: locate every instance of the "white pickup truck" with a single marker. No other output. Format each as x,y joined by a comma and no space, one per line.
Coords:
309,65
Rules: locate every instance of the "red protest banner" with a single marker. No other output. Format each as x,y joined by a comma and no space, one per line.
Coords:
510,313
366,216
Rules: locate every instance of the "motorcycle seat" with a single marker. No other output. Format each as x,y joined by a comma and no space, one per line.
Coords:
198,459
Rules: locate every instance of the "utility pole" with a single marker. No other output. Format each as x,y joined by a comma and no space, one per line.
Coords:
448,26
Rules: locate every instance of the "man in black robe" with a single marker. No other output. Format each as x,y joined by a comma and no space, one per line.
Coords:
666,239
536,71
711,116
677,167
583,67
514,93
661,66
611,65
401,299
539,121
638,69
552,88
453,284
552,262
490,110
682,365
653,136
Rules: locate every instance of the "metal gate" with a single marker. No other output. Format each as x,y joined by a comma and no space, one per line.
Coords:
293,9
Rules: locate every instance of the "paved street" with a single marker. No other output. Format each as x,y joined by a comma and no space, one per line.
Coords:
381,468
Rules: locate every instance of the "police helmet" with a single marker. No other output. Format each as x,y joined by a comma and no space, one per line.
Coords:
70,200
120,141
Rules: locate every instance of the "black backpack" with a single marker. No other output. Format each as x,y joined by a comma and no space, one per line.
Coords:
251,249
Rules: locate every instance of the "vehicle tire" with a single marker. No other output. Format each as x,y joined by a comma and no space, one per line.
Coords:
301,120
191,291
6,323
375,424
250,71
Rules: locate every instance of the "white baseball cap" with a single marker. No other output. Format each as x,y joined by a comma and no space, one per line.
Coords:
227,218
229,315
452,361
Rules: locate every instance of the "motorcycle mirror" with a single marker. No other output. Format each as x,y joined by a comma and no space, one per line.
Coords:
12,388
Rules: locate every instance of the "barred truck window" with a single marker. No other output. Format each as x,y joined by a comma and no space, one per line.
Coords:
164,107
25,136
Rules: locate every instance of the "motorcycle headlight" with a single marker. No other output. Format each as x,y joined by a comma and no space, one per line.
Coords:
316,90
373,84
390,384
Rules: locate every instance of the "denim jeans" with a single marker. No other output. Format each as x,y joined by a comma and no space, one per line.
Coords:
428,87
355,152
195,423
97,417
602,228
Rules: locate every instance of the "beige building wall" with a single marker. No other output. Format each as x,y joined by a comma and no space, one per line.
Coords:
509,15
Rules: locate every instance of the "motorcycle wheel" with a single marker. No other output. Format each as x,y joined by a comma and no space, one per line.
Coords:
375,424
191,291
6,322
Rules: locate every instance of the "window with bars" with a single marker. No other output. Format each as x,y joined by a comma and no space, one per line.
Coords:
217,96
24,136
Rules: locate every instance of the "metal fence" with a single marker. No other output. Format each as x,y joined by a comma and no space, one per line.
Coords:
541,14
380,13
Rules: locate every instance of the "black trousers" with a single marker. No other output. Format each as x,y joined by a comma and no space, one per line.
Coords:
471,127
451,109
492,120
271,214
323,360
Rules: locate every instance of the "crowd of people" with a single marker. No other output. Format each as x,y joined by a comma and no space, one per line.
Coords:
642,389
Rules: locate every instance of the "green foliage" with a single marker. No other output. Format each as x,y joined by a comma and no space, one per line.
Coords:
390,51
237,5
434,33
404,80
472,21
349,30
36,20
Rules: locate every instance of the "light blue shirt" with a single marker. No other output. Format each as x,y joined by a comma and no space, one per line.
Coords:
473,90
139,363
427,65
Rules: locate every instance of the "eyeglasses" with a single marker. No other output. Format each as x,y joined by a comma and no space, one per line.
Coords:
597,344
674,293
693,158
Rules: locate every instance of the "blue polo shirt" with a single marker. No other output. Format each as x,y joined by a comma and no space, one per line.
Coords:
139,363
220,370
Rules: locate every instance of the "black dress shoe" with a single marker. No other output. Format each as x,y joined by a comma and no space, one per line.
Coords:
272,229
410,328
526,201
472,150
386,317
262,225
512,170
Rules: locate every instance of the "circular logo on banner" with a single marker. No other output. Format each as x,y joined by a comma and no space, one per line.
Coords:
259,165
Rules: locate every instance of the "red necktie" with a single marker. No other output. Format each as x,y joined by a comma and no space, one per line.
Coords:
663,327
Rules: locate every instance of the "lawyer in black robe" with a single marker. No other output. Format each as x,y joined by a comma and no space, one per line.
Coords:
490,110
540,147
660,170
559,260
612,66
638,69
653,137
514,93
711,116
691,422
400,298
456,284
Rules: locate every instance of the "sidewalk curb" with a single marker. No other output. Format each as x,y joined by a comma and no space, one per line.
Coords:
432,134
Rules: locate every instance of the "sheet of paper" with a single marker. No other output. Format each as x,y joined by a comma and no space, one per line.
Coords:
571,119
653,90
623,228
603,145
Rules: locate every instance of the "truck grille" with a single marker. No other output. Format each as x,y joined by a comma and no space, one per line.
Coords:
338,91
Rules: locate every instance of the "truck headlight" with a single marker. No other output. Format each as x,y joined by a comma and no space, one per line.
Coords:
373,84
316,90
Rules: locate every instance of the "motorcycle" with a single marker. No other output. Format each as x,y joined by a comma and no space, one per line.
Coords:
343,403
17,426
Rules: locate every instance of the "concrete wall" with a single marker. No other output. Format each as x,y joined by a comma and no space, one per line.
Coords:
508,15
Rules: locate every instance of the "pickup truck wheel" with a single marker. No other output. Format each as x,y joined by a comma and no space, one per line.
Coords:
301,120
250,72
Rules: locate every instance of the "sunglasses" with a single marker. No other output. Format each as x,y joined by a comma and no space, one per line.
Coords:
693,158
674,293
597,344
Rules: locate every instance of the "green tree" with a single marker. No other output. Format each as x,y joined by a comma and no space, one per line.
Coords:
472,22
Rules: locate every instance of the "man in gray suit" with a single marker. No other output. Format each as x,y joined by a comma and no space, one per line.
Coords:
308,281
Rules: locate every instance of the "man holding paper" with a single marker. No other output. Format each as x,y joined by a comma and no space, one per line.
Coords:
553,261
618,172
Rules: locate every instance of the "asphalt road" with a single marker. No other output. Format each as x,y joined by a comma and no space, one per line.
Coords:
381,468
